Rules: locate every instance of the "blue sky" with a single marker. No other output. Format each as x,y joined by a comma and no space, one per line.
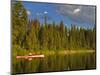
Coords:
70,14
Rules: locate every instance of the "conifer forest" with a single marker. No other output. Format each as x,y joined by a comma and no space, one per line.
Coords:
65,47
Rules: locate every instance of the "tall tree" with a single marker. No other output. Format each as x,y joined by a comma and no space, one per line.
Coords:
31,40
19,22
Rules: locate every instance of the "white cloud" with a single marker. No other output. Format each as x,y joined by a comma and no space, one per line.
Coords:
66,24
28,12
76,10
38,14
45,12
78,13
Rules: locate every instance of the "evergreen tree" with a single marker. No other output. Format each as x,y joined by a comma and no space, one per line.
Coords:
32,35
19,22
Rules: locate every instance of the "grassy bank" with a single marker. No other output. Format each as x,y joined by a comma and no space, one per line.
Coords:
52,52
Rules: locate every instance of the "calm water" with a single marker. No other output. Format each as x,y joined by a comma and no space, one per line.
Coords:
56,62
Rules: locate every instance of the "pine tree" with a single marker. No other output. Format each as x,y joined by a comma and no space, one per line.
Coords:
19,22
94,38
32,35
31,39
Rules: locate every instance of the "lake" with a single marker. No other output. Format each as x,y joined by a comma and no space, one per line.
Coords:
56,62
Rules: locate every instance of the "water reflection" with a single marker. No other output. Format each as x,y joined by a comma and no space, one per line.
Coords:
56,62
